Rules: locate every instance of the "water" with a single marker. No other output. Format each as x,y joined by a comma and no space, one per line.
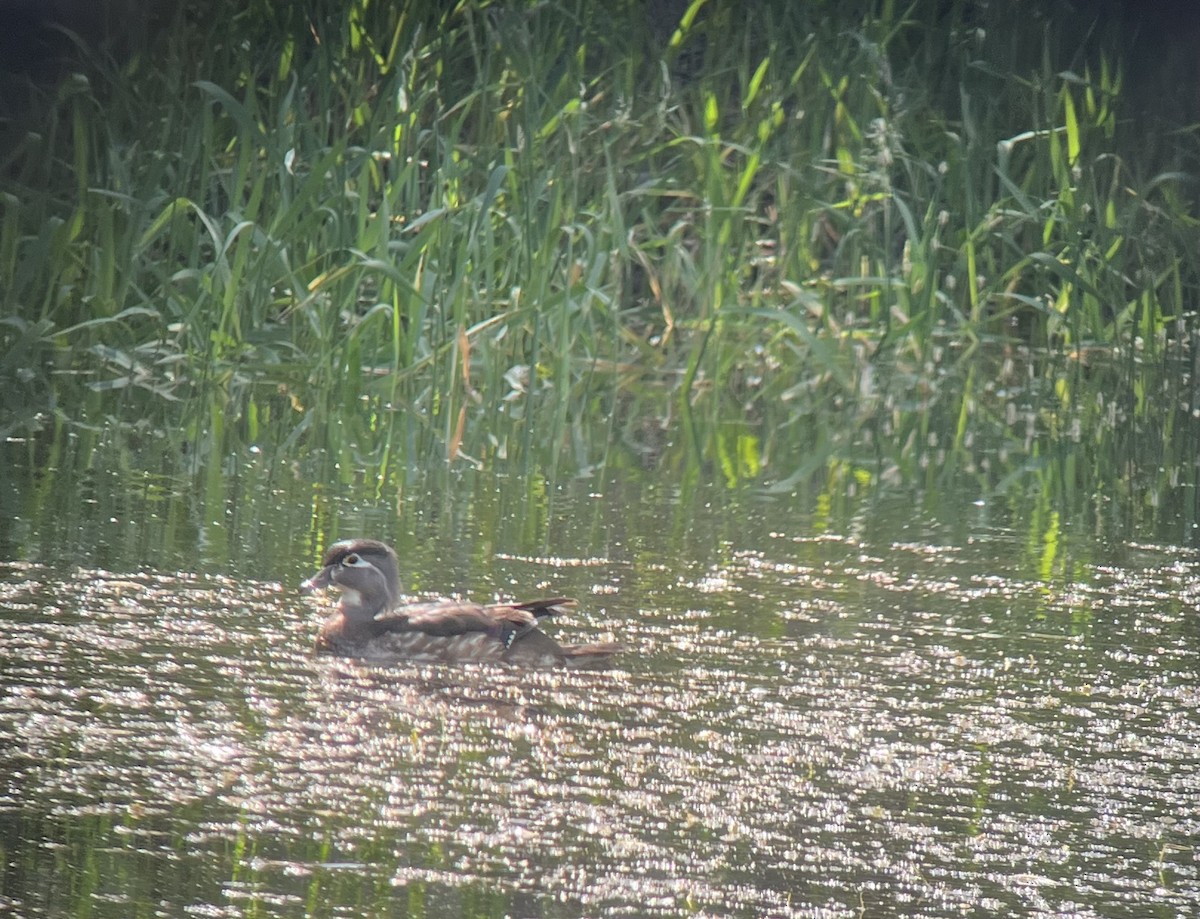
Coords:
900,718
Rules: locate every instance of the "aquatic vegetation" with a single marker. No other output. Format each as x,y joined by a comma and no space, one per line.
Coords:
892,246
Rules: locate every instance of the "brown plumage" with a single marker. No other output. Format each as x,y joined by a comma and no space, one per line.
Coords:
368,623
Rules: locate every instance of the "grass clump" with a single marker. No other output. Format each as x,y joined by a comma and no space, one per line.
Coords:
800,239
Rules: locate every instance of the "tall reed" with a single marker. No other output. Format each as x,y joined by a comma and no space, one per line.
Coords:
854,241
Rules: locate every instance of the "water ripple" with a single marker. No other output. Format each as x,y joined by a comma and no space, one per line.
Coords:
900,737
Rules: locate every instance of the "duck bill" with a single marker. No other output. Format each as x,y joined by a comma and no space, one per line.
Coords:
318,581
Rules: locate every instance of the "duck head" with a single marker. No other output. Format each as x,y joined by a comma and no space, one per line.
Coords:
366,572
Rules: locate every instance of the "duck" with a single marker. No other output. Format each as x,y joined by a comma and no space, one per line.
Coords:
369,621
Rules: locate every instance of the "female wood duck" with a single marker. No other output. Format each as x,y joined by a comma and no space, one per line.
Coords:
368,623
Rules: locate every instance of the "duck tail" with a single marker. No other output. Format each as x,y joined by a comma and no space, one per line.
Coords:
542,608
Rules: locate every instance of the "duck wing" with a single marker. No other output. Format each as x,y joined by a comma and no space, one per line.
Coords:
453,618
459,630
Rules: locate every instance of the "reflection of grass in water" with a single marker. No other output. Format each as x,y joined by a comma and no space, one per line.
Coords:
794,242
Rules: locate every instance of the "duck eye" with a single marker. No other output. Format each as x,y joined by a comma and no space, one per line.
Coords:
352,560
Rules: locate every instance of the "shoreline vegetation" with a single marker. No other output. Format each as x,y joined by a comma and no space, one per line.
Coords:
815,247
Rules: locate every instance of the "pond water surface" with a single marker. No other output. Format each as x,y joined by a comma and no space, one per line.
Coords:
904,718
